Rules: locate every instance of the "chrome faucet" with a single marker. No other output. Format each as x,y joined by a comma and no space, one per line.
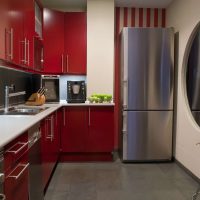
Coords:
8,95
7,90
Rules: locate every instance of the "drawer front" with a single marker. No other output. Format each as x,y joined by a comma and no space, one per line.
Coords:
16,180
15,150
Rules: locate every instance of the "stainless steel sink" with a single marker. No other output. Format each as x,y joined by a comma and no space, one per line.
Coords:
23,111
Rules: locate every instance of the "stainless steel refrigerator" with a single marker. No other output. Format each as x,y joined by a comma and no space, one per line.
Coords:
147,81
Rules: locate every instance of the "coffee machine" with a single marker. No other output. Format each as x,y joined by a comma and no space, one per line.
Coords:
76,91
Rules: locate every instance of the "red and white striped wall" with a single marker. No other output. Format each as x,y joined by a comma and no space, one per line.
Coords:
139,17
131,17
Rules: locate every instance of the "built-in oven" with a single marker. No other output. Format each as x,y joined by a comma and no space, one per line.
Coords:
35,161
51,83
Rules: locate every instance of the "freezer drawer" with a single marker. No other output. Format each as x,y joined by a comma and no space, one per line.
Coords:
147,135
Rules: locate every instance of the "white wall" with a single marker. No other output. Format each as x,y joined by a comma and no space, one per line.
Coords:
100,46
184,15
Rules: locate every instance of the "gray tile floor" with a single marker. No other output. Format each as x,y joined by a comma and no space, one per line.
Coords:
117,181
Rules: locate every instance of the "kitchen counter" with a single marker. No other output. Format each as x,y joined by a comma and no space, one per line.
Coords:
11,126
64,103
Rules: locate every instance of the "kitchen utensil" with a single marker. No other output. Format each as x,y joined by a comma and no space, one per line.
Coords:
37,99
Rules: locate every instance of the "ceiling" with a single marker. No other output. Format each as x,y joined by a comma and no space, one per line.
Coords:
65,5
82,4
143,3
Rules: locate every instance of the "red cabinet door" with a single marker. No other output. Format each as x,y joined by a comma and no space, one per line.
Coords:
11,30
53,26
16,27
56,135
101,129
50,128
47,150
38,54
17,31
76,42
75,129
28,33
4,8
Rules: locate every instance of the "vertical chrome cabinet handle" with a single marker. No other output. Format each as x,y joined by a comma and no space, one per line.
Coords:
28,52
49,134
2,197
89,117
11,43
67,63
52,128
25,61
64,116
6,44
46,128
42,59
23,47
9,48
62,64
56,118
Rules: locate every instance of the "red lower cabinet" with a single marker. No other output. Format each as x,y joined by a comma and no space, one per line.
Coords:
75,129
87,131
50,145
47,165
16,185
101,129
57,129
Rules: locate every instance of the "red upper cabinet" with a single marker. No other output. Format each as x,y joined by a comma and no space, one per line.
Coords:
101,129
64,42
11,31
28,34
14,32
17,31
76,42
38,54
53,26
3,24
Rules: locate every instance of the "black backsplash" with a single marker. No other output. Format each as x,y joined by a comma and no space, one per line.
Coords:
23,81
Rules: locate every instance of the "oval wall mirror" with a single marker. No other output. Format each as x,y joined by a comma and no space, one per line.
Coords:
193,75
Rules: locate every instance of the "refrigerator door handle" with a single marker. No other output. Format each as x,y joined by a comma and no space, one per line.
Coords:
125,94
124,123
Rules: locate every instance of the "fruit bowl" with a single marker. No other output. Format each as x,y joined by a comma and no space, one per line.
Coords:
100,98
